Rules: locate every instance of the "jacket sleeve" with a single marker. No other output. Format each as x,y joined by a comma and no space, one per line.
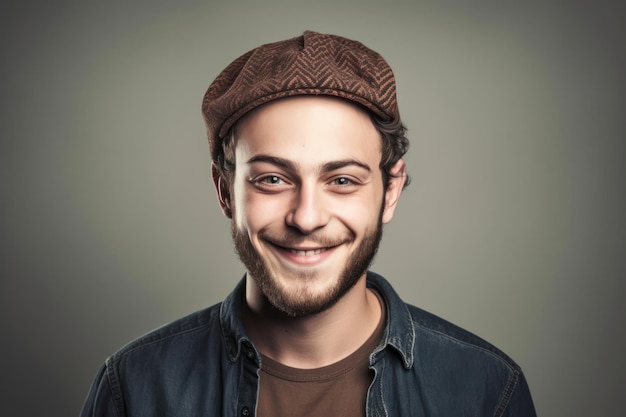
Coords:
521,402
99,401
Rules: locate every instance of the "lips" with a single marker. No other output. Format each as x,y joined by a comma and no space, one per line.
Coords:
306,252
304,247
309,255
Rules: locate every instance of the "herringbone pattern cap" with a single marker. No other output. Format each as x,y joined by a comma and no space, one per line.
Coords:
311,64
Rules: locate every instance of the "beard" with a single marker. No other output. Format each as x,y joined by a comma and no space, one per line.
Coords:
301,303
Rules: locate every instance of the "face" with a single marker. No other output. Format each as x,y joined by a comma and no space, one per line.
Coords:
307,200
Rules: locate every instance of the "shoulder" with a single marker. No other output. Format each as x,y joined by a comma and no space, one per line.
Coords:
187,342
446,367
155,364
200,327
468,368
432,329
451,356
424,337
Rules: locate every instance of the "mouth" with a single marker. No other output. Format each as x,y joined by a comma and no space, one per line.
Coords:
306,252
302,255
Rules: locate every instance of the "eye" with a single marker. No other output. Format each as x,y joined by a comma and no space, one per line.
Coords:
270,179
344,185
270,183
342,181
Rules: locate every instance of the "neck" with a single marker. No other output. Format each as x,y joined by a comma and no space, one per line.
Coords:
312,341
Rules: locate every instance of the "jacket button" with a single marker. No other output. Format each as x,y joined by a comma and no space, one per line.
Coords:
245,412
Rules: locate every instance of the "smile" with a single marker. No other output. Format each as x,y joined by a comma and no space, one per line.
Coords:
307,252
303,256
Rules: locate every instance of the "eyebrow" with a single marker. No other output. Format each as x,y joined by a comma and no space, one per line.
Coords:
274,160
288,165
333,165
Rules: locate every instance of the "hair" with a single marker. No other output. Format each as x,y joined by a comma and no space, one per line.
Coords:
394,145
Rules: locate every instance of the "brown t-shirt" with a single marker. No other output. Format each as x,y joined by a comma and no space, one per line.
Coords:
339,389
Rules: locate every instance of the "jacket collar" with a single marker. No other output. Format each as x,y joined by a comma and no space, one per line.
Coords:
399,331
233,330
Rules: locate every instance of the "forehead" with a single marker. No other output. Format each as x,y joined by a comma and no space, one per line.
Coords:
308,129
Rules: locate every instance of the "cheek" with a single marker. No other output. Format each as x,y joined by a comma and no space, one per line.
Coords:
359,212
251,209
258,211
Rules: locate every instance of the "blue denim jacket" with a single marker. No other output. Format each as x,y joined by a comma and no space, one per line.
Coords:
205,365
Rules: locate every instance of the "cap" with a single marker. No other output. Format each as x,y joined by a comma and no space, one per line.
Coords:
311,64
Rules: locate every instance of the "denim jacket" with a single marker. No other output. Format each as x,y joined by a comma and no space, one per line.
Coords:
206,365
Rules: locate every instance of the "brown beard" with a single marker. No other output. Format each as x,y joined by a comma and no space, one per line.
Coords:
297,305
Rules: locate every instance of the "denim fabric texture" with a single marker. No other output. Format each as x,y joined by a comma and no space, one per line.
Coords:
205,365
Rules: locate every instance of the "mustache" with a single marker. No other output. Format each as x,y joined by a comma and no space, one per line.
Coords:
291,239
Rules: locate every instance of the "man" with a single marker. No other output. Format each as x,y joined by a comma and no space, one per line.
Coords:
307,147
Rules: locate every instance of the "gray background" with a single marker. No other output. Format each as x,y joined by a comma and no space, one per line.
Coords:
513,226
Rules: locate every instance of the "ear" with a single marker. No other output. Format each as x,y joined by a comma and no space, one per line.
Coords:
397,179
223,191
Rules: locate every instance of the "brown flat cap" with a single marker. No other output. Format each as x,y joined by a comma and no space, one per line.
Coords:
311,64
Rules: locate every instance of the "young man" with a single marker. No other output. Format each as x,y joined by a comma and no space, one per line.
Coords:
307,148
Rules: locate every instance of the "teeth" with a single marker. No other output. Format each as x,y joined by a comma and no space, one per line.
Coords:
306,252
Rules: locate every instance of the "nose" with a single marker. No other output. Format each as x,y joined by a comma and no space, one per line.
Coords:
308,212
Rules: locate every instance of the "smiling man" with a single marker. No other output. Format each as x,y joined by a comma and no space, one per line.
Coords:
307,147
